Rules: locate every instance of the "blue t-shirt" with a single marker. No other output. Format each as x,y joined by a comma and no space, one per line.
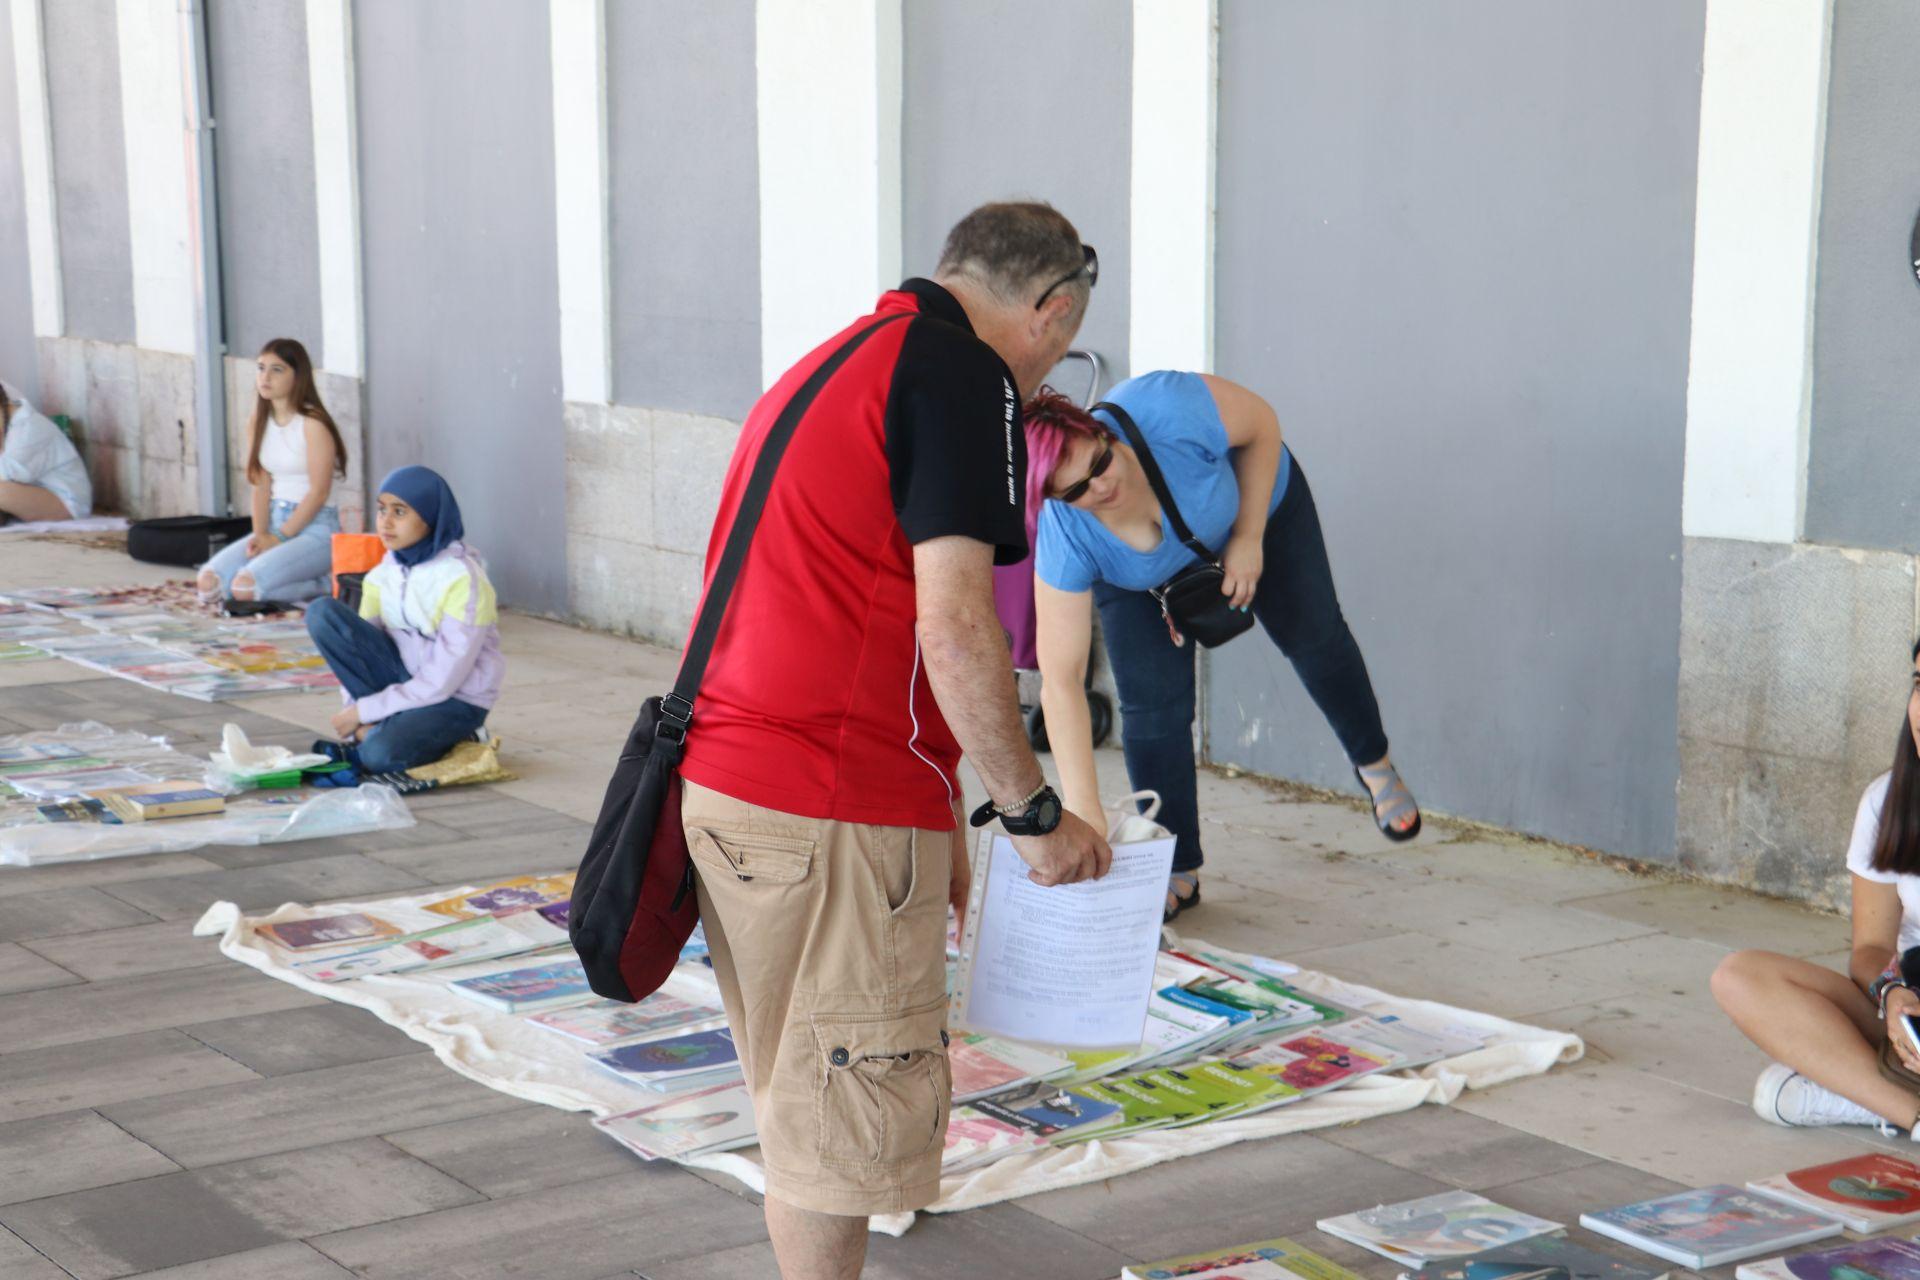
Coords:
1178,416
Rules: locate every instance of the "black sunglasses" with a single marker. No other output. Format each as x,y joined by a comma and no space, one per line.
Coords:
1090,267
1077,491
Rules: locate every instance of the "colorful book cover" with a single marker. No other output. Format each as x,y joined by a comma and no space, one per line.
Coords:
327,931
28,752
609,1021
557,914
984,1065
1140,1103
1541,1258
1277,1259
1449,1225
698,1051
1219,1089
1310,1063
507,895
82,810
1046,1110
974,1139
1886,1259
514,989
1869,1193
715,1119
1710,1226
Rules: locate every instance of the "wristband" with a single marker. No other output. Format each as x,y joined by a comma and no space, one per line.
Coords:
1877,989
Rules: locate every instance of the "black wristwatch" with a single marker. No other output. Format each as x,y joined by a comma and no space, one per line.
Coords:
1037,815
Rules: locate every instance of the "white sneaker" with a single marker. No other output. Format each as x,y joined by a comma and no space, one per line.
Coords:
1783,1096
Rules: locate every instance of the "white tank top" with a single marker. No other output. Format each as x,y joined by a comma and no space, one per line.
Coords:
283,452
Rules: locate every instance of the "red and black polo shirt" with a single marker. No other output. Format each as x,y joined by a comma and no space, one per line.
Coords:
816,701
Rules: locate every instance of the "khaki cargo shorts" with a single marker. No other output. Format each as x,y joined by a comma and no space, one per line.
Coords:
829,943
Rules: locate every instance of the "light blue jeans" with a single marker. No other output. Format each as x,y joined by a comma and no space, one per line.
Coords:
296,570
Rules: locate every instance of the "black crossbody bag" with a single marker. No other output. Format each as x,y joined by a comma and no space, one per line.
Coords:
1191,600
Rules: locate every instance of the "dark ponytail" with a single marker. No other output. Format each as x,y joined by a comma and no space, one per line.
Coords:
1897,846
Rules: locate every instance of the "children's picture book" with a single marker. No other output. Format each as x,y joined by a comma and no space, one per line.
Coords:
1276,1259
673,1063
1541,1258
715,1119
328,931
507,895
542,986
1867,1193
1885,1259
1449,1225
1711,1226
603,1022
1046,1111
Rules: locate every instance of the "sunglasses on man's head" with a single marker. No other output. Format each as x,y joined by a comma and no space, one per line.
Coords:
1075,492
1090,268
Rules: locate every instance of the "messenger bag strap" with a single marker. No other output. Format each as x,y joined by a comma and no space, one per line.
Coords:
1155,479
677,707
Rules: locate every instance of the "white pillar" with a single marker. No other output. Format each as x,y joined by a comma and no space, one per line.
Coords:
580,197
153,72
336,172
36,163
1175,104
829,75
1756,229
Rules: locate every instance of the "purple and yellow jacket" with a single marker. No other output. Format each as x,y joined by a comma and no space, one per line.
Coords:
445,620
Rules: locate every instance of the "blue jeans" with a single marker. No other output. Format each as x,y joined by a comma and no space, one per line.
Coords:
298,569
1296,604
365,659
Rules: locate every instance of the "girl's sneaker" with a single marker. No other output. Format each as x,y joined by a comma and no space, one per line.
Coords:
1783,1096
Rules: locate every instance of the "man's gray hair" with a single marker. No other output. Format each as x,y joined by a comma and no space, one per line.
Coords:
1015,250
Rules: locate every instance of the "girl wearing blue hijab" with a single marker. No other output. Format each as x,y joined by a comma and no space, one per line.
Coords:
420,663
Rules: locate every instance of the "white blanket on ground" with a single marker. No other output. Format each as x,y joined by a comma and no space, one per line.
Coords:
86,524
517,1057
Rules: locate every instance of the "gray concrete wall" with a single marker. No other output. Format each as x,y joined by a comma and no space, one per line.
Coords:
1864,450
684,205
462,296
19,363
1023,98
263,152
90,168
1455,250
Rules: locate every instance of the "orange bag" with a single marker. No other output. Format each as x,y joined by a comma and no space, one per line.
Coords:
355,553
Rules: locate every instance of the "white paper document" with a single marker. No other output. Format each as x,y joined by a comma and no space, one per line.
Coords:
1071,965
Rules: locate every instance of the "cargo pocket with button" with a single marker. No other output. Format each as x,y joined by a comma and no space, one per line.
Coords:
883,1096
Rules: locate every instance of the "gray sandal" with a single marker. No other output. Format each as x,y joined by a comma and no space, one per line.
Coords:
1189,880
1392,802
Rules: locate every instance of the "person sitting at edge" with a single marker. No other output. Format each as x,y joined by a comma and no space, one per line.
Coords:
41,474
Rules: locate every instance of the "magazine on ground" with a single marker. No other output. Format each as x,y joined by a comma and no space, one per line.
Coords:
673,1064
1449,1225
1541,1258
604,1022
1885,1259
715,1119
1047,1110
974,1139
1711,1226
327,931
1868,1193
1277,1259
537,987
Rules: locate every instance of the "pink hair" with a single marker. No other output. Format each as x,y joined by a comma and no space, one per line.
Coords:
1052,422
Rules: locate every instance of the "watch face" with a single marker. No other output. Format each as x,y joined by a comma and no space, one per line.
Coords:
1046,813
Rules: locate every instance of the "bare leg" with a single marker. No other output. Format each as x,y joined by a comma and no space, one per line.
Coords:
242,585
1815,1021
31,502
816,1246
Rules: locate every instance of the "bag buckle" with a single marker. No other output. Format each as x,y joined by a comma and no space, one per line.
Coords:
674,722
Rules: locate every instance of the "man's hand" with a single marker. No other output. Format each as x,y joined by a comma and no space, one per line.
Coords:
1241,561
346,722
1072,852
1902,1001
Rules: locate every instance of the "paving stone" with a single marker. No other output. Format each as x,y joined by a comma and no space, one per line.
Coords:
21,1261
309,880
334,1188
97,1072
1667,1039
636,1220
99,1010
1563,1197
73,1151
22,970
1669,969
999,1240
328,1035
1728,917
1427,968
1250,1191
134,1227
292,1261
475,859
124,953
1460,1149
48,915
516,1152
235,857
265,1117
70,875
490,813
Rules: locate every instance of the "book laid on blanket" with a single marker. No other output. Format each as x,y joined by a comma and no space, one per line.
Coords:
602,1022
1711,1226
328,931
1868,1193
1401,1044
507,895
542,986
673,1064
1138,1104
1888,1259
1541,1258
1311,1063
1047,1111
156,800
82,810
975,1139
715,1119
1449,1225
1277,1259
986,1065
462,942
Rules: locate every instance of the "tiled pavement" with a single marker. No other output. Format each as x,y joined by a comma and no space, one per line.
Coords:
164,1112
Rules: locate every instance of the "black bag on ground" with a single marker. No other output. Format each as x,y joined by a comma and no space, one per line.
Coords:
633,904
1191,599
185,541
